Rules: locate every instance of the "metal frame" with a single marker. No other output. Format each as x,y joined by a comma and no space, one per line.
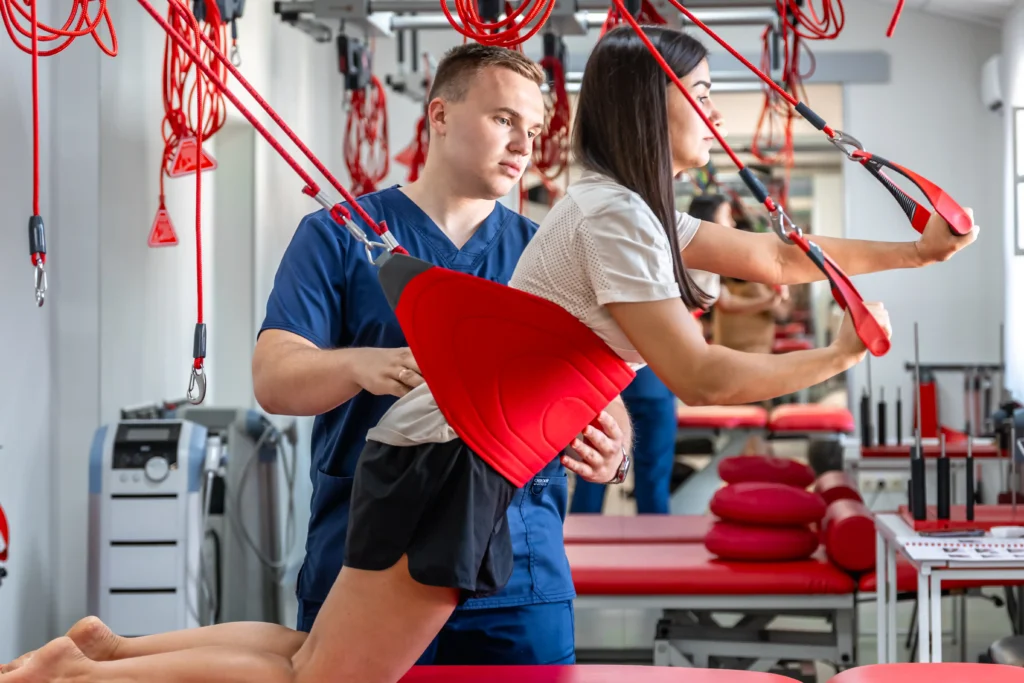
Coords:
1017,134
688,633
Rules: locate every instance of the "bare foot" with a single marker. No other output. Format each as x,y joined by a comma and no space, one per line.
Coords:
92,637
59,661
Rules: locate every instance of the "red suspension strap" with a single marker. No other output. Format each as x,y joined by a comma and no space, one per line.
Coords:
648,15
15,18
868,328
954,215
550,157
366,130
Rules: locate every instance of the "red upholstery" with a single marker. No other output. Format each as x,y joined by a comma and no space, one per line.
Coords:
583,673
590,528
689,569
813,417
765,468
836,485
848,532
787,344
946,672
794,329
767,504
721,417
746,543
516,376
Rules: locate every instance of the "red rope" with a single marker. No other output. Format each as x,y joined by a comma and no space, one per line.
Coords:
647,16
551,148
24,23
367,130
503,32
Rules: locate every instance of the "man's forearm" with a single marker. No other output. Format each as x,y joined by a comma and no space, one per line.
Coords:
854,257
617,409
305,380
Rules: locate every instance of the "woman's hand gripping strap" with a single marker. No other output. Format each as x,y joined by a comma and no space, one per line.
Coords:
960,223
846,295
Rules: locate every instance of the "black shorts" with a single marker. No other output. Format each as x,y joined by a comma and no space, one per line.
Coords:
439,504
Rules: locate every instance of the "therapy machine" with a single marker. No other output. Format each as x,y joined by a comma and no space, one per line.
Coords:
185,518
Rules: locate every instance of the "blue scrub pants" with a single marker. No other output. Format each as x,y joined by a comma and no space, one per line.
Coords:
654,438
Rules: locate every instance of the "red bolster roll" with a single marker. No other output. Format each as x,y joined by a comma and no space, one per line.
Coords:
848,532
730,541
764,468
767,504
837,485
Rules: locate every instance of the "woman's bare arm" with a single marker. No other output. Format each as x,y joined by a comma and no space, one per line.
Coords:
701,374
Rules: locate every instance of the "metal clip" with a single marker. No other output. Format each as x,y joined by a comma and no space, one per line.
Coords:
844,142
780,221
197,386
236,57
40,283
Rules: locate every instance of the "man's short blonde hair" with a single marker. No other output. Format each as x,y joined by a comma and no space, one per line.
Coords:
461,64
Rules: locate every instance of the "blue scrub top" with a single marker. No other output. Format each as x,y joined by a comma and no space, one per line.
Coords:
327,291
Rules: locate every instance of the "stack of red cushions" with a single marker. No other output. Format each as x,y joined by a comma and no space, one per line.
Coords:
765,512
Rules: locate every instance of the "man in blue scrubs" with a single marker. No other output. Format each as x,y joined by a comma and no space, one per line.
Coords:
331,346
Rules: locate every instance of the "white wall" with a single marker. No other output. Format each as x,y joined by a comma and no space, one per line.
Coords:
929,117
1013,96
26,466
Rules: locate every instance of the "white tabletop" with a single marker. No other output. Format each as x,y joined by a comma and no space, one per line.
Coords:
952,552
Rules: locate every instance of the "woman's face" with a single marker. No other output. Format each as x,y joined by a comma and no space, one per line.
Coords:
690,138
723,215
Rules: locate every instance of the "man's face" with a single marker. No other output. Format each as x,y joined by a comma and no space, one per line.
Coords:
487,138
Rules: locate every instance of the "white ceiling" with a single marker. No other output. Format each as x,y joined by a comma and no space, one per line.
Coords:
982,11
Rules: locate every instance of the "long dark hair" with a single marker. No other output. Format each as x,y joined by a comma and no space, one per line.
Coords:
621,126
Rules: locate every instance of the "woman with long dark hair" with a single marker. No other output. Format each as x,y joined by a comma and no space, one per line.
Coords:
612,253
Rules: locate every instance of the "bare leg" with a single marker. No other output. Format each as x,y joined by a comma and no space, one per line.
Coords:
97,642
385,621
60,661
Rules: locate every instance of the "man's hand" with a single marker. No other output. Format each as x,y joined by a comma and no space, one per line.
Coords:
598,461
848,343
384,372
938,243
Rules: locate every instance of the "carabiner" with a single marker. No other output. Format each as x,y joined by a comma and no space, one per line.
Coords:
40,279
844,142
197,386
779,219
236,57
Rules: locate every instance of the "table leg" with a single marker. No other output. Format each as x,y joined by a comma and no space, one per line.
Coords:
882,598
924,614
893,592
936,620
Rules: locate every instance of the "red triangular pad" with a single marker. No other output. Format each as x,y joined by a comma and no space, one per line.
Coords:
406,156
516,376
162,233
5,536
184,160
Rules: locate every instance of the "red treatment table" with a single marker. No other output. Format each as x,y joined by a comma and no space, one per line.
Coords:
729,428
693,589
582,673
597,528
947,672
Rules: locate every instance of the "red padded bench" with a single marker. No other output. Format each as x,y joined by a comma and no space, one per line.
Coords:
721,417
597,528
946,672
689,569
583,673
809,418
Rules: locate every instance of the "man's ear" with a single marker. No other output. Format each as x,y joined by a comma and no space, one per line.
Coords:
437,116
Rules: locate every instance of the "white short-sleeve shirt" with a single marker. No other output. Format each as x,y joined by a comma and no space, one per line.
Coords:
599,244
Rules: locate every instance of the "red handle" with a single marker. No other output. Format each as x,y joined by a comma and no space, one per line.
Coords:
869,330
